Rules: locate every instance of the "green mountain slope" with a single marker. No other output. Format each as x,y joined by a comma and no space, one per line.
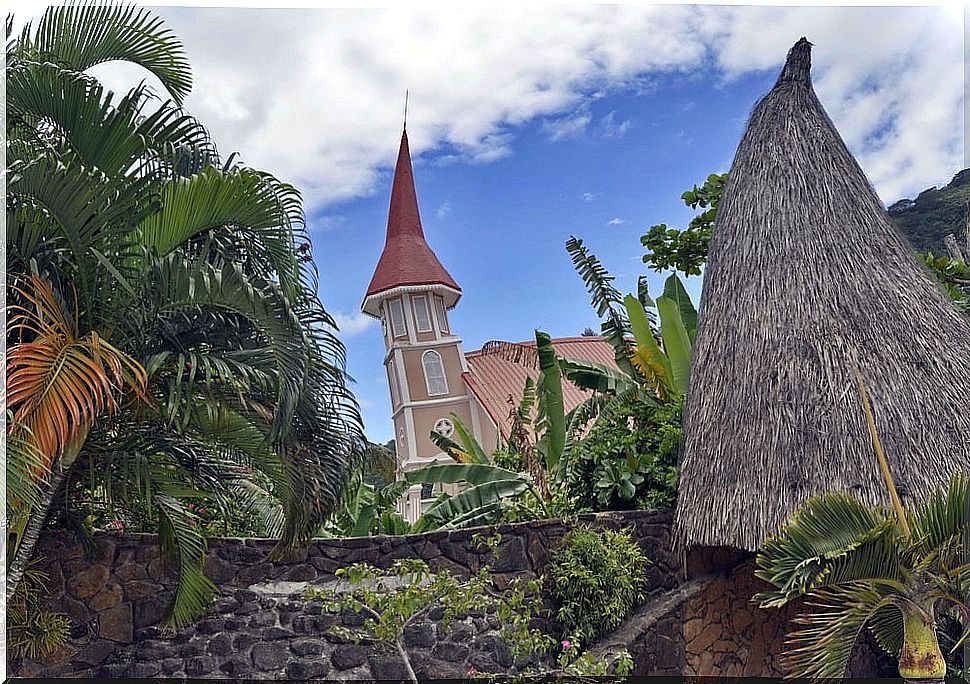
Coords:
926,220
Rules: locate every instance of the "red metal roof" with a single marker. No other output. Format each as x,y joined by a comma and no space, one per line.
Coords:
407,259
493,379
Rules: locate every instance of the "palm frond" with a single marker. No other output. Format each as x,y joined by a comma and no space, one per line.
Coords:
183,544
606,300
26,468
58,383
821,645
942,519
81,35
833,539
111,136
240,205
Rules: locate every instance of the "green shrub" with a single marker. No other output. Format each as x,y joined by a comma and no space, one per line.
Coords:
596,577
629,459
389,600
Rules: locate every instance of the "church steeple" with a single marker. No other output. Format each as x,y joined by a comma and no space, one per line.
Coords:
407,259
411,292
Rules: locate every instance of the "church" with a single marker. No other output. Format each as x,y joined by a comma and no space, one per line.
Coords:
429,376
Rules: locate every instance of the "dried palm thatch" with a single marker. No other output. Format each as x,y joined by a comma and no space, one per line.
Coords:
807,279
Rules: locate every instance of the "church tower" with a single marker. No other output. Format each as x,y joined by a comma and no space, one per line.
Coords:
411,293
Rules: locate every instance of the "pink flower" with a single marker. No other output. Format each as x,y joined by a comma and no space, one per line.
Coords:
116,525
200,510
566,644
471,672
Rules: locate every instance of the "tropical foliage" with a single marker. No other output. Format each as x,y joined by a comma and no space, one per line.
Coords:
653,363
407,592
33,631
954,276
486,491
538,442
686,250
596,577
540,424
857,568
617,449
167,345
628,459
370,510
903,574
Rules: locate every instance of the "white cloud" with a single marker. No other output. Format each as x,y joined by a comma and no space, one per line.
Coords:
567,126
890,77
609,127
616,221
316,96
444,209
326,223
590,196
351,324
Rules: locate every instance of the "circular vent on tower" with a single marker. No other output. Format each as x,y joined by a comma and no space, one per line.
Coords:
444,427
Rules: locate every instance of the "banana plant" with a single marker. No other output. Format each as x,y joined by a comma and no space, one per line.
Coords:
896,572
370,510
658,360
488,489
469,451
541,417
492,487
664,360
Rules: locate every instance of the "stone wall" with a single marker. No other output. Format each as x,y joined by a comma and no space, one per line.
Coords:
727,635
261,628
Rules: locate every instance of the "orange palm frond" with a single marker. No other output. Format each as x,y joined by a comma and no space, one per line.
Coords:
59,382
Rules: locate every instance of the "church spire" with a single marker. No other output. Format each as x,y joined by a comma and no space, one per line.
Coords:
407,259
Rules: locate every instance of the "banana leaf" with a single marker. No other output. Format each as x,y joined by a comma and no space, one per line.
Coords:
552,408
450,473
470,504
676,342
593,376
675,291
648,356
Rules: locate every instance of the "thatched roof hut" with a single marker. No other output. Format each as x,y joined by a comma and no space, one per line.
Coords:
807,279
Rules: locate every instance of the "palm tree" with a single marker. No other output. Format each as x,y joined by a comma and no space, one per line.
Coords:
169,341
900,573
857,568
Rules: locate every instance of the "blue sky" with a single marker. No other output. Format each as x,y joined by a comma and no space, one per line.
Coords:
534,123
500,228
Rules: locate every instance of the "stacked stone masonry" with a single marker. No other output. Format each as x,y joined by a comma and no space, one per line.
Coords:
261,627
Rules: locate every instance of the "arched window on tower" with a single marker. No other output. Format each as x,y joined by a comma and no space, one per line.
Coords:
434,373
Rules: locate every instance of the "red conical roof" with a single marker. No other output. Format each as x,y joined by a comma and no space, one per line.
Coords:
407,259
